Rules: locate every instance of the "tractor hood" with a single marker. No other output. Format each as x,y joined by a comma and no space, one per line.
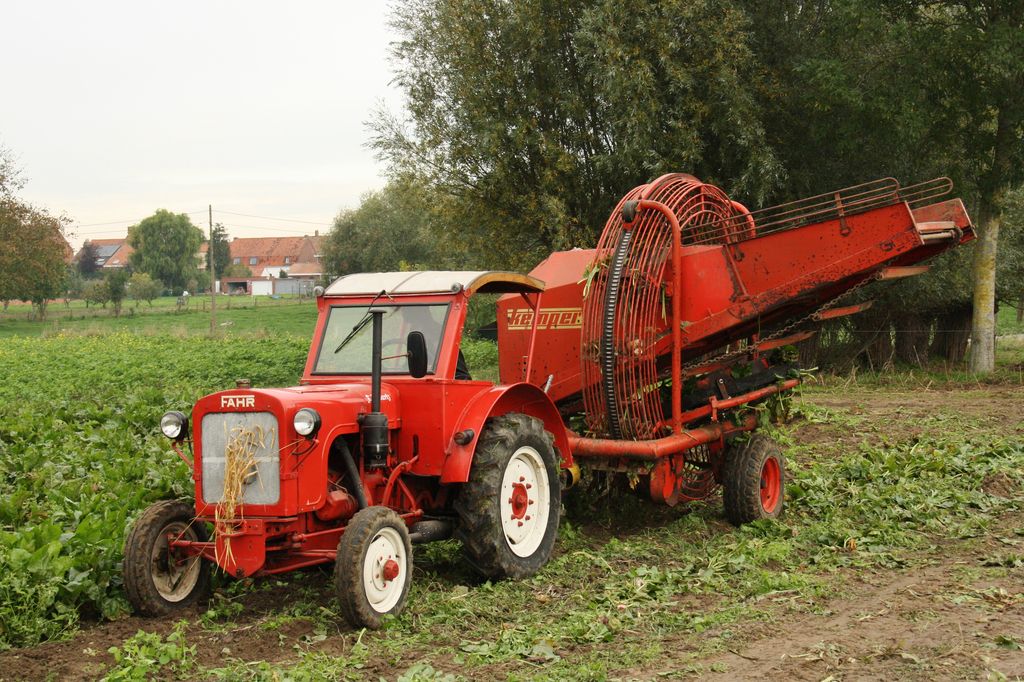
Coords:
290,469
339,406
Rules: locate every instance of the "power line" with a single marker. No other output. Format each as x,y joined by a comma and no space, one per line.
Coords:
282,220
296,230
74,228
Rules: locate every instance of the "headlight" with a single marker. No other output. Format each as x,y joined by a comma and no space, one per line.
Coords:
174,425
306,422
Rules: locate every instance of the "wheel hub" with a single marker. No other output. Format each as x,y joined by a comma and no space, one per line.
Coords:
174,572
520,500
390,570
771,485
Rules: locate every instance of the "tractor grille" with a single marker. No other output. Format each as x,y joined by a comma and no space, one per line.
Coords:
218,429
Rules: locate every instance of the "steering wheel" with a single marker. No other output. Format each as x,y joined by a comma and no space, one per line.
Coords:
395,345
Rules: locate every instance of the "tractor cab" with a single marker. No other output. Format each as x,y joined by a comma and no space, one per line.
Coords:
432,303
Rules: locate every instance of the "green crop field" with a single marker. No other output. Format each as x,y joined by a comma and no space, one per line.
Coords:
891,475
80,457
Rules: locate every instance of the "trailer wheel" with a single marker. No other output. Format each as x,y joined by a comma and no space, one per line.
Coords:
159,579
509,509
373,569
754,477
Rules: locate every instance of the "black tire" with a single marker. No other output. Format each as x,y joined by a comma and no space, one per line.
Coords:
754,478
510,440
153,575
376,530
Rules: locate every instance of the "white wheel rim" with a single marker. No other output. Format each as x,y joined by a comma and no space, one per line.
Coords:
525,501
174,577
384,555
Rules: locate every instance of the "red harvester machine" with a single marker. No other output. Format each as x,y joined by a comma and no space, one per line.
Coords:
658,341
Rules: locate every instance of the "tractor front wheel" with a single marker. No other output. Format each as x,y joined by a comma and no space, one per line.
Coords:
373,569
509,510
159,578
754,478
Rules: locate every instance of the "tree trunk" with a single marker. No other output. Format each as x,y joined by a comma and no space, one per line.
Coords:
983,327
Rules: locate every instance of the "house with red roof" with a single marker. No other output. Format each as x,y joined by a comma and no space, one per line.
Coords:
275,258
260,253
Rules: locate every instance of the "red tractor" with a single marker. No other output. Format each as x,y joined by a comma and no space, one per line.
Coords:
655,345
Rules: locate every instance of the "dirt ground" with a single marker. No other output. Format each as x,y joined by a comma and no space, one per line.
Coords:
946,618
931,623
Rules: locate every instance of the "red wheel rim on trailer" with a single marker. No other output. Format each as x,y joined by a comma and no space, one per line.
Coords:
771,485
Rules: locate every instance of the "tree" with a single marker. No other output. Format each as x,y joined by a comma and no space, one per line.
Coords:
116,282
73,286
1010,275
220,250
32,257
389,226
841,108
10,176
165,246
236,270
96,291
142,287
974,52
201,282
529,120
32,260
87,265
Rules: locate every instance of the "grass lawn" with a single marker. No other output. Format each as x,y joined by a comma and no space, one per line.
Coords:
1007,323
235,315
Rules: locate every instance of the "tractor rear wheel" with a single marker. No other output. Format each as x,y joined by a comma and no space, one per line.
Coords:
158,578
509,509
754,478
373,569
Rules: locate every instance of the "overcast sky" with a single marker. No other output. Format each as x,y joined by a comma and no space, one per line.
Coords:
114,109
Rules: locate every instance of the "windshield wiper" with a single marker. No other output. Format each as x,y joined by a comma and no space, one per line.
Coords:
361,323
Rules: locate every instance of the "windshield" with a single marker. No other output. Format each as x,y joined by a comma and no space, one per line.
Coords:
355,357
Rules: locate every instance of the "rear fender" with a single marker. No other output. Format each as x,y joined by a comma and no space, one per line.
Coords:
522,398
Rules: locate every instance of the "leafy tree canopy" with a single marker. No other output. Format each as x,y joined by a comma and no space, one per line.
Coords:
87,264
142,287
165,246
117,288
531,118
389,231
235,270
220,250
32,259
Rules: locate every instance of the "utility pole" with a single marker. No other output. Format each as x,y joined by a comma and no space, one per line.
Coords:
213,279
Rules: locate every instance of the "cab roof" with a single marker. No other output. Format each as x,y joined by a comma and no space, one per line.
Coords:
434,282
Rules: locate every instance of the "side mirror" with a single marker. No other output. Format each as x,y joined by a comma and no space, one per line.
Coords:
416,347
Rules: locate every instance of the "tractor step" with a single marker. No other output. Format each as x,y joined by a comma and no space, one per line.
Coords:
833,313
898,271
